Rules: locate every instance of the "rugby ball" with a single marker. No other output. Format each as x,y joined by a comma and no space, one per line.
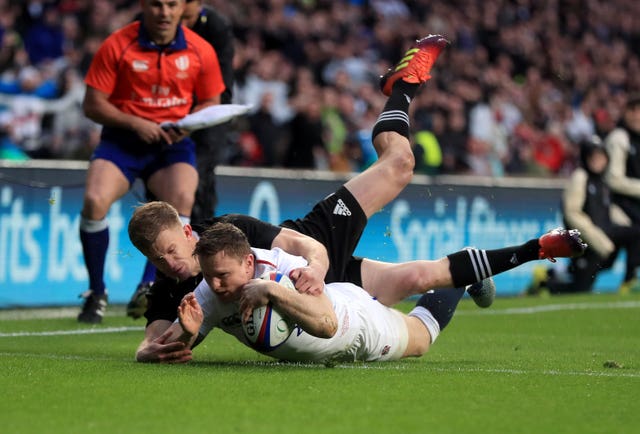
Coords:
266,329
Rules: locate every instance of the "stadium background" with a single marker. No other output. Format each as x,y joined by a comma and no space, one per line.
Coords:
41,261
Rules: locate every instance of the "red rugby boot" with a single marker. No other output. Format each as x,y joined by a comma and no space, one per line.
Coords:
416,64
561,243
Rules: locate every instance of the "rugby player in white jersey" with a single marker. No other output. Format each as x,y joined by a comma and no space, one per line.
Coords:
343,323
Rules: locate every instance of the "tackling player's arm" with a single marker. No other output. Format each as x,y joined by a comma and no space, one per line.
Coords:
309,279
158,348
163,300
313,313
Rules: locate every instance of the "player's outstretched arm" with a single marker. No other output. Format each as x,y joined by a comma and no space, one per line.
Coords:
173,345
155,347
310,279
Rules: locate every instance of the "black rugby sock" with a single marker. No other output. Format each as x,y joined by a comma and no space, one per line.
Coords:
94,247
473,265
395,115
441,303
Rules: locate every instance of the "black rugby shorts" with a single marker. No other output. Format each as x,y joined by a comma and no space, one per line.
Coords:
337,222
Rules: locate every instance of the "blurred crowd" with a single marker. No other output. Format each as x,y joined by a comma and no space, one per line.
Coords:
522,83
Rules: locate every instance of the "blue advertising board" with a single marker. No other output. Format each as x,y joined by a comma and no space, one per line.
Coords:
41,261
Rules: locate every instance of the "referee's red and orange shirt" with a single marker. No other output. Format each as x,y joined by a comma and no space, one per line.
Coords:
153,82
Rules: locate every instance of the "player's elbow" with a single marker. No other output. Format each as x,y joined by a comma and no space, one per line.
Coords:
328,326
95,105
90,110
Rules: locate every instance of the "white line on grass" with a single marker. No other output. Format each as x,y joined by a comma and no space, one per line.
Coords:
62,312
73,332
509,311
51,313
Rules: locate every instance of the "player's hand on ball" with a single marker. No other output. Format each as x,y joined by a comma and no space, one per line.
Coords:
263,325
254,294
308,280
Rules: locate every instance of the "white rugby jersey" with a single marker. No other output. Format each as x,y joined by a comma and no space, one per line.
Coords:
367,330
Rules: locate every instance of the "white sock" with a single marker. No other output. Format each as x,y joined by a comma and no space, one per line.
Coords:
423,314
91,226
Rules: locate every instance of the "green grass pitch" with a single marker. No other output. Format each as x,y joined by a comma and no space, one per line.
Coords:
526,365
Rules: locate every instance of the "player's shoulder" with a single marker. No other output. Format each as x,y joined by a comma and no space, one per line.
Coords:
266,255
578,177
283,260
617,137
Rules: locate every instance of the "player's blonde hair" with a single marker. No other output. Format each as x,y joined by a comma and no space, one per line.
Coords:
149,220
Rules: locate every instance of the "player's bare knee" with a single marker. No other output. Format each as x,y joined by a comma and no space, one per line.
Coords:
420,278
422,346
412,281
183,202
404,163
95,205
400,163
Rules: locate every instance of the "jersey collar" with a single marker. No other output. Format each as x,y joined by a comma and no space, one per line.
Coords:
178,43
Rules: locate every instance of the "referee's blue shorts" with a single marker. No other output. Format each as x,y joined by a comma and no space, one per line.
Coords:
137,159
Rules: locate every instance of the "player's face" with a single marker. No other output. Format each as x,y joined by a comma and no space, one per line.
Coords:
172,253
226,275
598,161
161,19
